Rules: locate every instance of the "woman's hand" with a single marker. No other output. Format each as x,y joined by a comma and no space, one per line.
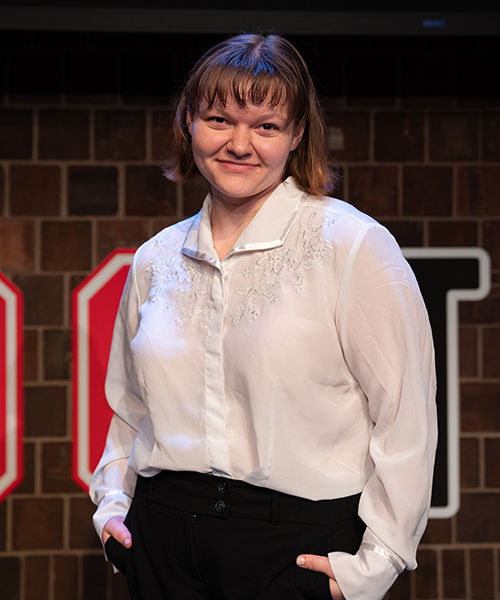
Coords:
115,528
321,564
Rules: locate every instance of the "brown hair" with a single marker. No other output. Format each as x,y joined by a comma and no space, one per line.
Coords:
256,68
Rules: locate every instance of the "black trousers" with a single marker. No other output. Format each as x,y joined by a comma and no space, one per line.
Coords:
201,537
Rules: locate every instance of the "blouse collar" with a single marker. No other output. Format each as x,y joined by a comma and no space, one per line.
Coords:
268,229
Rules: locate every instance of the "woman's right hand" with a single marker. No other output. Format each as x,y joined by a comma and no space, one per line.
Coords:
115,528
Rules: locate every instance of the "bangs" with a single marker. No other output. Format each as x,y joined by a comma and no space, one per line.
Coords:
255,86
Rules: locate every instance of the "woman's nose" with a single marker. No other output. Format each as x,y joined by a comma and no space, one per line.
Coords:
240,141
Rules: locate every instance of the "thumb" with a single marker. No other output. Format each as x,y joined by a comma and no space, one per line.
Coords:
313,562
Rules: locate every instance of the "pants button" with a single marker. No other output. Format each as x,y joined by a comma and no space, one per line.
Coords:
220,505
222,487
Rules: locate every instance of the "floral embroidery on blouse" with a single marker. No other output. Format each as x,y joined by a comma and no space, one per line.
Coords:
193,278
307,251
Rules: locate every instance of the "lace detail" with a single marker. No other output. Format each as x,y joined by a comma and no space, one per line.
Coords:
193,277
306,252
195,281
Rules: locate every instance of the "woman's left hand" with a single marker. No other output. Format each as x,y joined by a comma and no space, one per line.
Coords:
321,564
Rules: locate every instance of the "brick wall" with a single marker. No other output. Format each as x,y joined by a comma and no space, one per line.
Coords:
83,119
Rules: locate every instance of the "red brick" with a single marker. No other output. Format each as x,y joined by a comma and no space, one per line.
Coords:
161,133
37,524
65,583
401,590
2,202
92,190
491,352
66,246
160,224
469,463
480,406
37,577
195,192
95,575
57,354
468,352
43,298
10,576
30,355
482,574
454,574
35,190
407,233
438,531
492,452
28,484
17,241
120,234
3,527
479,518
16,139
56,468
120,135
427,191
491,135
426,574
399,136
355,132
374,190
478,191
483,311
149,193
82,532
453,233
491,241
453,136
45,411
64,134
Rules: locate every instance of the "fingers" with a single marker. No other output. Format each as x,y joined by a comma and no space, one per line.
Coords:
320,564
114,527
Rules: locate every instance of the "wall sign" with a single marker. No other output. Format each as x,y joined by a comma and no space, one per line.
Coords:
11,387
95,304
445,275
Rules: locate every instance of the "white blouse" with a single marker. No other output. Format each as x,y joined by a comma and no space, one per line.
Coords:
302,362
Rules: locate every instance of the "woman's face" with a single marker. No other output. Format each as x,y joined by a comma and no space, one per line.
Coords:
242,151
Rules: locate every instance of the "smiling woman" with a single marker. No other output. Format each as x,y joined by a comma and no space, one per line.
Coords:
272,369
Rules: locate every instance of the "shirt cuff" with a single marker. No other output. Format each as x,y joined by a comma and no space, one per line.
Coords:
114,503
367,574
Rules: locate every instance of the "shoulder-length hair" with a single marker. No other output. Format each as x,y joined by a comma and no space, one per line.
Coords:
256,68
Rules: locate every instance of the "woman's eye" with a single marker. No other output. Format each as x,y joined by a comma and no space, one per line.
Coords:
269,127
218,120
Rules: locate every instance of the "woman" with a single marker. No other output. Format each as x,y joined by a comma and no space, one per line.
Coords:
271,371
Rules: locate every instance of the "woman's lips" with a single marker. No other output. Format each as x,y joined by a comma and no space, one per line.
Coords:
236,166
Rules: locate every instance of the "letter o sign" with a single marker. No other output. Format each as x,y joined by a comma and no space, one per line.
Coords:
11,387
95,304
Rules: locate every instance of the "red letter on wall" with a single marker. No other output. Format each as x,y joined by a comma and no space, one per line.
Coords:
95,304
11,387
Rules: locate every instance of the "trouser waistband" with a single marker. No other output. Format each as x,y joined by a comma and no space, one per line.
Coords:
222,497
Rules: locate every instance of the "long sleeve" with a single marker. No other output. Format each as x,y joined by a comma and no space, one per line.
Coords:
387,344
113,482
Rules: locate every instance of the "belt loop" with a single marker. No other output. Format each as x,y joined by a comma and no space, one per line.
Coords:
275,498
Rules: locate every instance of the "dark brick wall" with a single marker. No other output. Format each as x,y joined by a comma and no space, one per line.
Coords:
415,127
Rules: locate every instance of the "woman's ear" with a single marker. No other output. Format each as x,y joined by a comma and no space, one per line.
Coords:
297,136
